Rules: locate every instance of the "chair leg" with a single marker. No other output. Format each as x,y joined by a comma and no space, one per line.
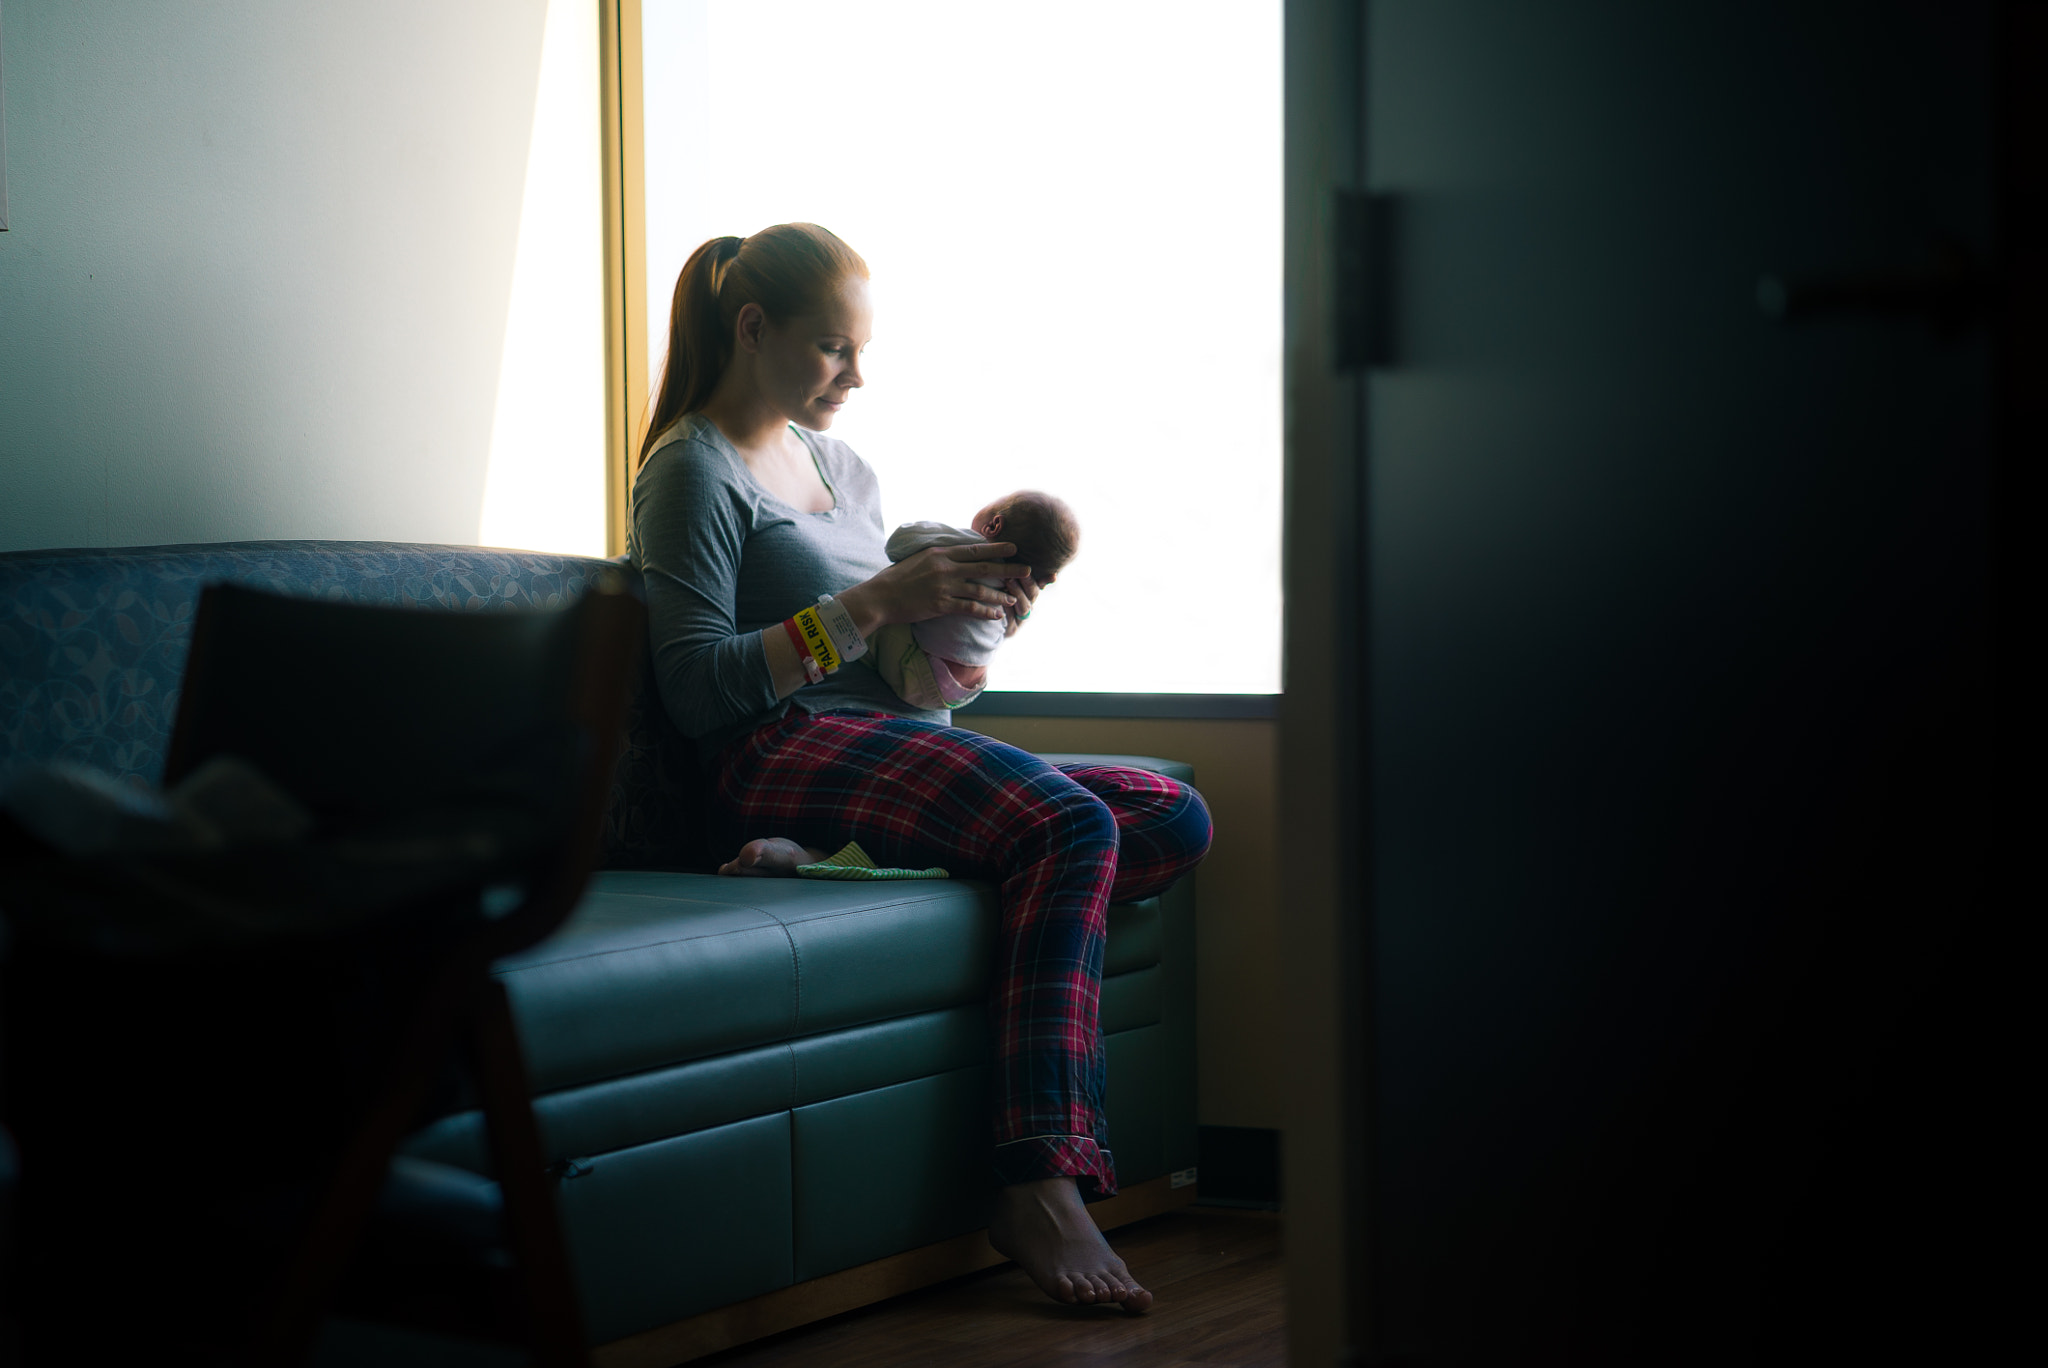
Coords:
532,1225
285,1336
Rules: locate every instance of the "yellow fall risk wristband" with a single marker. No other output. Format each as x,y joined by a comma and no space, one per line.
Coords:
818,639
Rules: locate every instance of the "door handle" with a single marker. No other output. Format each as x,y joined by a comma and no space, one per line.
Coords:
1947,294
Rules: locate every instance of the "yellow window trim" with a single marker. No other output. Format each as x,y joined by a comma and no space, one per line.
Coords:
625,258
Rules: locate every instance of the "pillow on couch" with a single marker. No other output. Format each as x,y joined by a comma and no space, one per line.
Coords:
661,814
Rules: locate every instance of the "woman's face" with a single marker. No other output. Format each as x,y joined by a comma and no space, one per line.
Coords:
810,366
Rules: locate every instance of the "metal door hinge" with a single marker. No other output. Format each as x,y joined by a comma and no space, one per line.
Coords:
1361,279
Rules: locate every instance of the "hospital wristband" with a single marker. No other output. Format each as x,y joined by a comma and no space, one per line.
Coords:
813,672
816,639
838,624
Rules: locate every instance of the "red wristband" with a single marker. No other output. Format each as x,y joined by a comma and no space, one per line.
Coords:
813,671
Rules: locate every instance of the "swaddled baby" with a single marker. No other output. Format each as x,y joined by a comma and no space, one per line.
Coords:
943,662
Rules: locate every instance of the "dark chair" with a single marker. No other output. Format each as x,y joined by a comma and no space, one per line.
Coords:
456,766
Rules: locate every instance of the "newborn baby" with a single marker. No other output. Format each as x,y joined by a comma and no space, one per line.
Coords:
943,663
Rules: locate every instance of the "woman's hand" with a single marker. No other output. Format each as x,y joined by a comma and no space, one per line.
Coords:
1026,591
936,582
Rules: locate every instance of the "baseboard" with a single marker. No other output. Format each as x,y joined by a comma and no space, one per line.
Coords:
788,1307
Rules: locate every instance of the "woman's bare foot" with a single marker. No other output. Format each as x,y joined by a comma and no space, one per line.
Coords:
1044,1226
775,857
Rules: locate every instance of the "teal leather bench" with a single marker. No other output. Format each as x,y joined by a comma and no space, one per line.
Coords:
764,1100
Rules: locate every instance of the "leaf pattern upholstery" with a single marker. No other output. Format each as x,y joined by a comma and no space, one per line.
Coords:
93,644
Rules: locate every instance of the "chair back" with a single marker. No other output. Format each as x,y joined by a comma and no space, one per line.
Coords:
383,719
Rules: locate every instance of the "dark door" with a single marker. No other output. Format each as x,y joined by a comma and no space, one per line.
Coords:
1678,677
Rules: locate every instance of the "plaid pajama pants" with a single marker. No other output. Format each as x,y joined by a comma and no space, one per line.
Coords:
1061,843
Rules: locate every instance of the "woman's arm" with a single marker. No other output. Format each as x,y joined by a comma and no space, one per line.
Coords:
907,591
690,523
935,582
784,664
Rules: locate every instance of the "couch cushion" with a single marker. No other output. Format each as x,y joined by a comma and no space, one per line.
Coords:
656,968
618,1113
667,1230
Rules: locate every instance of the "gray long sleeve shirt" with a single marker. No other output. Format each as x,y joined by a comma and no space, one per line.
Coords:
724,559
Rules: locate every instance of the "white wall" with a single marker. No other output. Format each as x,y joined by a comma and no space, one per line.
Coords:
257,272
545,486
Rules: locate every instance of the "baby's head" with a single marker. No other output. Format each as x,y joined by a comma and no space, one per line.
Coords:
1041,527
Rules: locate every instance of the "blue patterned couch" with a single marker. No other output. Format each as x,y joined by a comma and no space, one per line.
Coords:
92,645
764,1098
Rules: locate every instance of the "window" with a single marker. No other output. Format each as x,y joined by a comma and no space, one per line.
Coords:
1073,216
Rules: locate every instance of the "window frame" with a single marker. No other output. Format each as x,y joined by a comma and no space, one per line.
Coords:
624,162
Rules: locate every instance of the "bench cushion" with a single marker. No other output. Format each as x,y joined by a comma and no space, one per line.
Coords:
655,968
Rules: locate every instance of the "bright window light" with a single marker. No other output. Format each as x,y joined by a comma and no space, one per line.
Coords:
1072,214
544,487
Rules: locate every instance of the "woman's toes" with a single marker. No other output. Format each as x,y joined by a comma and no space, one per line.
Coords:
1066,1288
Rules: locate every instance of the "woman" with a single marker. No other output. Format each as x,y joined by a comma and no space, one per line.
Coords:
744,515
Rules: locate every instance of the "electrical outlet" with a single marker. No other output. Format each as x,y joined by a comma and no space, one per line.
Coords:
1183,1178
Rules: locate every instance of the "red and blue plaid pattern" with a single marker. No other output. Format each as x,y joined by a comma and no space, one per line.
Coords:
1060,843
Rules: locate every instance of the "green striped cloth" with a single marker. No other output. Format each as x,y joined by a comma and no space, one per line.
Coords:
853,863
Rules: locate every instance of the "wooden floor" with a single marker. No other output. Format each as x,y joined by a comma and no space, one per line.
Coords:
1215,1274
